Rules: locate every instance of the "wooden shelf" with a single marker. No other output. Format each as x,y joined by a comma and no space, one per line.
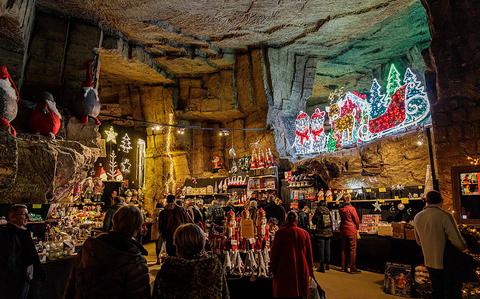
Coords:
307,186
262,176
211,194
374,200
263,189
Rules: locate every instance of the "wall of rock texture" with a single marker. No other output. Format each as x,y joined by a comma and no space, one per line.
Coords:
391,161
453,62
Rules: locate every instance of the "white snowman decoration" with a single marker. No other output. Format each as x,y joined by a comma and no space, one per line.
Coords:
302,134
317,131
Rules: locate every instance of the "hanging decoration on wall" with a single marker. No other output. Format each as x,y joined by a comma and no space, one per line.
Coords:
377,207
126,145
112,166
125,166
356,118
111,135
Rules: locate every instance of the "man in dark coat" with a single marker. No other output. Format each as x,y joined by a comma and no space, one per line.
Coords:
275,210
169,219
112,265
291,260
117,203
19,262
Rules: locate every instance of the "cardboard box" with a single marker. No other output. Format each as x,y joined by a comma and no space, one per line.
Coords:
398,230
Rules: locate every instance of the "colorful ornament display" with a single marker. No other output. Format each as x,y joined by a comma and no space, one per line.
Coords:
126,145
355,118
111,135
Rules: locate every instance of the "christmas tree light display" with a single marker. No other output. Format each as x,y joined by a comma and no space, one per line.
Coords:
355,118
126,145
112,166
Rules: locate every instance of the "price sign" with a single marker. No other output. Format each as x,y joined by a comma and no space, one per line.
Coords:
36,206
420,187
368,190
382,189
396,197
405,200
381,200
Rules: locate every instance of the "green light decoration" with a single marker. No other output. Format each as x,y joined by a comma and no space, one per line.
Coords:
393,82
331,142
366,118
376,100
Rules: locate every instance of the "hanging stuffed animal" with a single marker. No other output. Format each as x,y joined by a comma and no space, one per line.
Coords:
9,98
45,118
89,104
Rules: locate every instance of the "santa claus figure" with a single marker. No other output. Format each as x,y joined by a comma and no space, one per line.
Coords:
233,263
302,133
262,244
45,118
9,97
317,132
101,173
89,103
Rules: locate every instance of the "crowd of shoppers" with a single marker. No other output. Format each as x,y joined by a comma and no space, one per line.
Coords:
116,258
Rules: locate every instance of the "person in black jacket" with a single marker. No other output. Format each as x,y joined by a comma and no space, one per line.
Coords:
323,232
274,209
112,265
19,262
117,203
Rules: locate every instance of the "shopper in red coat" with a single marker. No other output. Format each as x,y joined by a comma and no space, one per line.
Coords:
291,260
348,228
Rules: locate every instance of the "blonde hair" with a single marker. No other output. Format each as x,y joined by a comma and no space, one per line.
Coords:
127,220
189,240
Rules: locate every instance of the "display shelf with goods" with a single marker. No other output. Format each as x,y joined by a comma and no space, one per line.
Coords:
466,193
263,180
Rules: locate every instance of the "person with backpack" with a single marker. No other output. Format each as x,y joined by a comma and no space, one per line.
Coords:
322,219
169,219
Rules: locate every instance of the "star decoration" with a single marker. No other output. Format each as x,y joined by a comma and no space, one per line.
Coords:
377,206
125,165
111,135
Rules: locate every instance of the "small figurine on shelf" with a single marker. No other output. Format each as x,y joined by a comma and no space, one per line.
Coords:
101,173
233,263
254,161
261,159
87,189
262,244
98,189
329,195
216,163
321,195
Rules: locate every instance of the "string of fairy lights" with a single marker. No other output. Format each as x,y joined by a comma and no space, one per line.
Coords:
157,127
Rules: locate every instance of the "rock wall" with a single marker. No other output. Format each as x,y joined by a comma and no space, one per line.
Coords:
390,161
289,81
38,165
454,59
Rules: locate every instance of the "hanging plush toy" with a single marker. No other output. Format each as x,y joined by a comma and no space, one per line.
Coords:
45,118
9,98
89,104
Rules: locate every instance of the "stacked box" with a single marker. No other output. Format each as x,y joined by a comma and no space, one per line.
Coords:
409,232
398,230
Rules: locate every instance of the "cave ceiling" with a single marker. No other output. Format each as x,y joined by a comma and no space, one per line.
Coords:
349,37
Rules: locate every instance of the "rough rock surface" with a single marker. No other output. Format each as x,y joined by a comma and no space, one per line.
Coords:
45,166
396,160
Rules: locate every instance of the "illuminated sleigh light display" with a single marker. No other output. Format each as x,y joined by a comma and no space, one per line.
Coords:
355,118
